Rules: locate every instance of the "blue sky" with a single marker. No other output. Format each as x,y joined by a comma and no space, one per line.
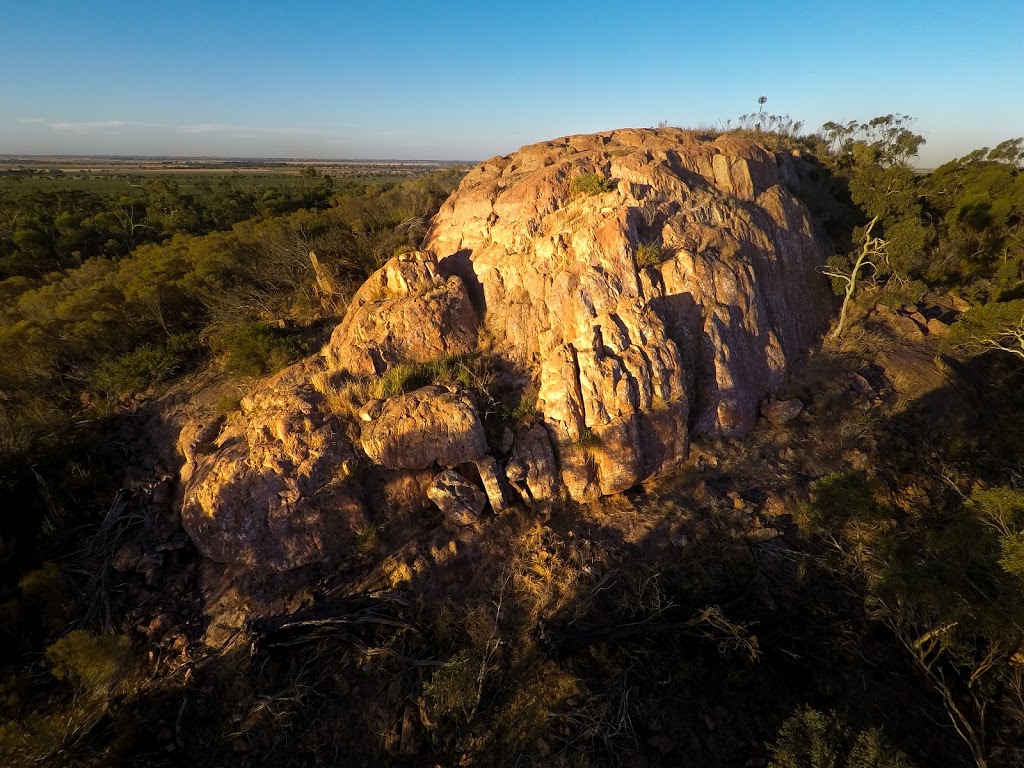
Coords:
460,80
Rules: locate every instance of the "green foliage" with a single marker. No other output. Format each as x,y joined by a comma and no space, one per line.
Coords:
525,411
1011,557
454,689
587,439
592,184
887,139
93,664
42,588
228,403
37,738
898,294
145,366
810,739
840,499
406,377
977,202
255,349
997,326
1003,510
1004,507
649,254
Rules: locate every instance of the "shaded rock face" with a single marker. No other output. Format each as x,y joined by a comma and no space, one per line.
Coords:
460,500
674,302
269,488
700,233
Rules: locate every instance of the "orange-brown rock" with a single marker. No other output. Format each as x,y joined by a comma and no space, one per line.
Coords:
405,313
270,489
431,425
676,300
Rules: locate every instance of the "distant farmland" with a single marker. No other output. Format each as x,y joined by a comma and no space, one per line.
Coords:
112,174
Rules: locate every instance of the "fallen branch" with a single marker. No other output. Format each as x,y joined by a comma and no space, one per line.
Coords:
708,624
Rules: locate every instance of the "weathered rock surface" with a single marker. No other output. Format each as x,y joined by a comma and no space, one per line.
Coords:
779,412
680,298
532,470
405,313
673,303
490,477
271,489
432,425
615,402
460,500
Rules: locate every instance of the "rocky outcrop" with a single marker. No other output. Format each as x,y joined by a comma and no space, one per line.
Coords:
532,470
666,298
615,402
700,232
432,425
460,500
405,313
271,487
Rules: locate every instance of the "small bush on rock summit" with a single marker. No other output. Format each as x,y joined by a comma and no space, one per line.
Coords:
592,184
649,254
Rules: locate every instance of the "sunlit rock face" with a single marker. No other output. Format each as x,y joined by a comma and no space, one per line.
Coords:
649,284
674,299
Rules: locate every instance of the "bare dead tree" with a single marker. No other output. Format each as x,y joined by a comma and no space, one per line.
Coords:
872,247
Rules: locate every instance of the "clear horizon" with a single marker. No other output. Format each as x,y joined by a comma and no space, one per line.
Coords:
402,81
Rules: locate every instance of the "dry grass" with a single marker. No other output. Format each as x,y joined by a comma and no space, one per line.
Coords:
550,574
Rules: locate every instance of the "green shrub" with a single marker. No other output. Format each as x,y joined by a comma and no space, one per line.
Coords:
1012,554
649,254
1003,510
525,410
42,588
453,689
843,498
145,366
998,325
587,438
592,184
255,349
228,403
406,377
897,294
93,664
810,739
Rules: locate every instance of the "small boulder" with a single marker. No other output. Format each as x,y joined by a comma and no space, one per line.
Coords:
405,313
491,478
532,470
937,328
778,412
906,327
128,557
460,500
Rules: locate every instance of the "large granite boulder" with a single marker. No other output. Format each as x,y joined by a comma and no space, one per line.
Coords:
700,232
666,298
431,425
405,313
271,487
